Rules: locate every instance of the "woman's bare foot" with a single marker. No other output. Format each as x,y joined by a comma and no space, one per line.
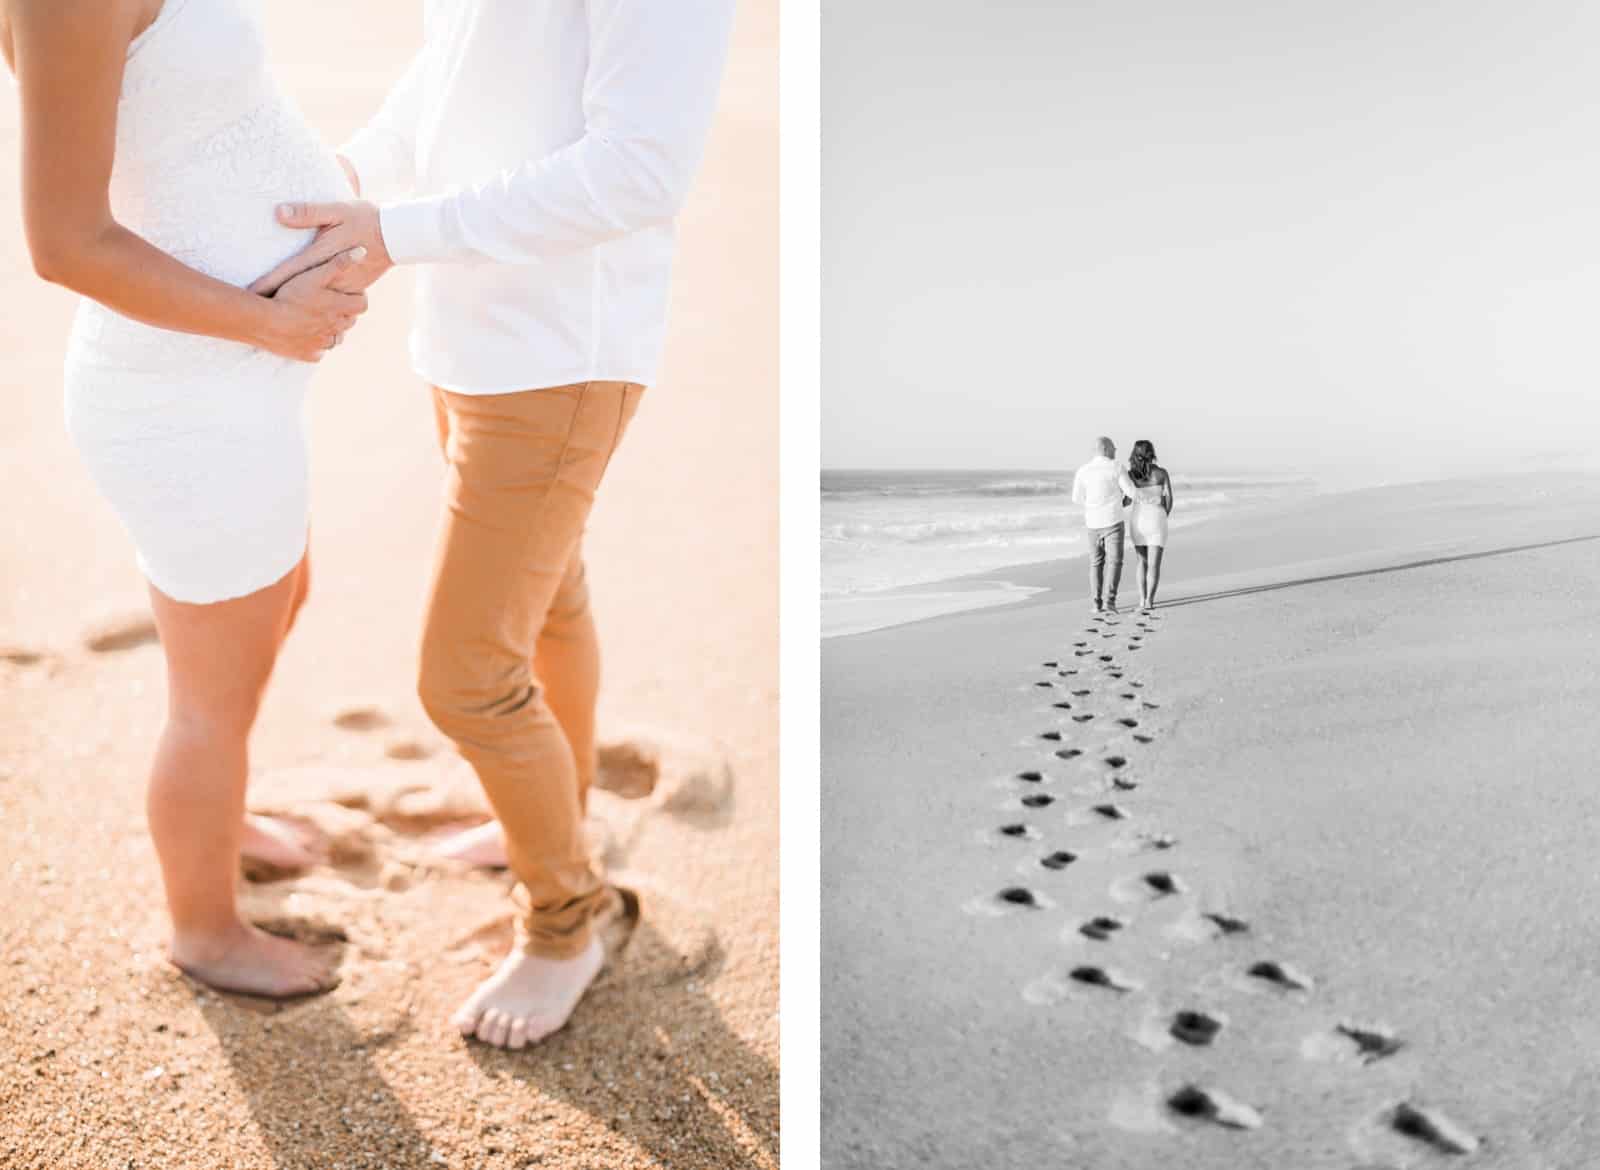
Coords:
249,960
482,845
275,843
528,997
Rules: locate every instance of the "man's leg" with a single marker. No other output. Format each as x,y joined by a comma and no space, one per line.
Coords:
1097,561
1113,547
566,662
523,472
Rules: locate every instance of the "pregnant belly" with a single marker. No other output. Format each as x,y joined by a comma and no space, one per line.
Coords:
218,218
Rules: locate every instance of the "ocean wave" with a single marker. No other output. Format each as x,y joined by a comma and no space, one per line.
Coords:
978,487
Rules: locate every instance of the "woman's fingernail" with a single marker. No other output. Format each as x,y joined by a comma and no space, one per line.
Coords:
286,210
358,254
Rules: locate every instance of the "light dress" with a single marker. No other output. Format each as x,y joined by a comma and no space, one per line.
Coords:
1147,519
199,444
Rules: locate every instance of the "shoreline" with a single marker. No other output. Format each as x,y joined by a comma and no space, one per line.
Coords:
850,615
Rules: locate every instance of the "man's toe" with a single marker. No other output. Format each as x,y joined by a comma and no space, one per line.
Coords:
517,1034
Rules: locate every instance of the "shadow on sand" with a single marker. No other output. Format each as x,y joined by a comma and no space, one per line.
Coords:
654,1027
1272,586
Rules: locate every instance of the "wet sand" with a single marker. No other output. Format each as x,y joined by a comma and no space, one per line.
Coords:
1328,912
111,1059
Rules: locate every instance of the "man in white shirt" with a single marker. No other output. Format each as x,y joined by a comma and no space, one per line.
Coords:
531,161
1097,485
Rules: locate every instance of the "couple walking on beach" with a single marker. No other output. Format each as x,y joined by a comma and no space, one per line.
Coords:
1105,490
533,158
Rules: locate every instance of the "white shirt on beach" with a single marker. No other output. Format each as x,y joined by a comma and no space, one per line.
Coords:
544,148
1097,485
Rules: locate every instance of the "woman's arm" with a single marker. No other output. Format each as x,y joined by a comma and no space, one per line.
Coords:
69,57
1166,492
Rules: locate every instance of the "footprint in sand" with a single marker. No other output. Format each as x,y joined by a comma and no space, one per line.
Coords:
1115,762
1052,736
1093,976
1062,706
1038,800
1432,1128
1226,923
1090,979
1148,887
360,717
1195,1028
1060,859
1101,927
1145,739
1050,665
407,749
1018,831
1069,753
1129,723
1367,1043
120,631
1010,900
1155,842
1280,975
1082,692
19,655
1213,1105
1044,683
1084,718
1031,777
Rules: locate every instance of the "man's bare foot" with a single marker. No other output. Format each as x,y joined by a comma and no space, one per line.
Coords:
528,997
482,845
274,843
249,960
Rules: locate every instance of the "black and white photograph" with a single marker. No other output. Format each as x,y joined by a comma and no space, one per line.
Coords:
1210,585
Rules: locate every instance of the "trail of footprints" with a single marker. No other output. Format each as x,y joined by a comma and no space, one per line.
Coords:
1108,717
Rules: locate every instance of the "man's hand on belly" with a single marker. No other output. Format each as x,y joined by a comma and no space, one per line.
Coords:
340,227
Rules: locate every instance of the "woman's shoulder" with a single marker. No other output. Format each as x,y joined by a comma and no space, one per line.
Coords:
1158,474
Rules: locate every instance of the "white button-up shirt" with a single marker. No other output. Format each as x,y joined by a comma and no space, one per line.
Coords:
546,147
1098,487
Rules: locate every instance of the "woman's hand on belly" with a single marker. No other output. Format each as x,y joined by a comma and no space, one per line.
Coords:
310,316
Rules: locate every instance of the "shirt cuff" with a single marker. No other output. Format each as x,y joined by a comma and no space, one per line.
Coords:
414,231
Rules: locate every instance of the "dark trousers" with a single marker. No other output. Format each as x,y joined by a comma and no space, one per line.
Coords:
1105,562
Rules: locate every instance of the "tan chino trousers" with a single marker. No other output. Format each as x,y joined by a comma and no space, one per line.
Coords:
510,665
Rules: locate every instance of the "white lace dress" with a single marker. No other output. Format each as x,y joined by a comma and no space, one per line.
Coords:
199,444
1147,518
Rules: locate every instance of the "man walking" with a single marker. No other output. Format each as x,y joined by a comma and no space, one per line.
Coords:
1097,486
533,159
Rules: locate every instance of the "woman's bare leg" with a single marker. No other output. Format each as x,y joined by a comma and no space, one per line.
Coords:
219,658
1156,552
270,840
1143,553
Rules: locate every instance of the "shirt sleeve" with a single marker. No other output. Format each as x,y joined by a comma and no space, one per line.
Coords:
384,151
1125,482
655,67
1078,495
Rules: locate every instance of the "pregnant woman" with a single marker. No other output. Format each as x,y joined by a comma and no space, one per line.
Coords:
1149,487
154,145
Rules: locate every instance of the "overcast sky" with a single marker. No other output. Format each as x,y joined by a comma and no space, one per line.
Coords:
1355,238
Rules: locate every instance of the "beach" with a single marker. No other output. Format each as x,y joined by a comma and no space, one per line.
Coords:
1294,873
112,1059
